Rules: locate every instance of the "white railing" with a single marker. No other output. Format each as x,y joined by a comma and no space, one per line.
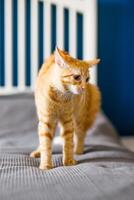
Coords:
88,8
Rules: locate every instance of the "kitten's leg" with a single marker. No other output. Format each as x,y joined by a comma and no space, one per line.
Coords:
67,134
35,154
79,137
46,132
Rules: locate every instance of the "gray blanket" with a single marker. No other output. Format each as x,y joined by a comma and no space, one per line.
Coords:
104,171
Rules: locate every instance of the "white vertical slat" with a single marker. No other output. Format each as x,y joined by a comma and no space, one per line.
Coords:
34,41
21,44
90,35
8,43
78,5
60,26
47,29
72,33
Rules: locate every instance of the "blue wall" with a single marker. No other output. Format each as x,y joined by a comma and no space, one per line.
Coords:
116,71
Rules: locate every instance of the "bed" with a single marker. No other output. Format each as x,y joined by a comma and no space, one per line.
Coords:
104,171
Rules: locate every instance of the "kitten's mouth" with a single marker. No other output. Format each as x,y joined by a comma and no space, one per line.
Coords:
81,90
75,90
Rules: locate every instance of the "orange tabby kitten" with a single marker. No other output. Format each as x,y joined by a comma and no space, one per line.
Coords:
63,94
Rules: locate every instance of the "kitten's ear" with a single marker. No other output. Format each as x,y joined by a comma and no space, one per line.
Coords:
59,60
93,62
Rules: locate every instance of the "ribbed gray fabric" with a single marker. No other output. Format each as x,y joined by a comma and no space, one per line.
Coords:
104,172
97,176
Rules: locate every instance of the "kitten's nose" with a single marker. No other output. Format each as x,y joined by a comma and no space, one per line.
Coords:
83,86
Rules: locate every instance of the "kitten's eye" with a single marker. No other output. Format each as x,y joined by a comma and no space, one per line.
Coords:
77,77
87,79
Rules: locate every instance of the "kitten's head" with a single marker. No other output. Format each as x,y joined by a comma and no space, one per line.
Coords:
74,73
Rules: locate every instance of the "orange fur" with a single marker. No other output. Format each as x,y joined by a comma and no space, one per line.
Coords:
62,94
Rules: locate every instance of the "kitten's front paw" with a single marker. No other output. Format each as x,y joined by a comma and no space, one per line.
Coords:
79,150
69,162
35,154
45,167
